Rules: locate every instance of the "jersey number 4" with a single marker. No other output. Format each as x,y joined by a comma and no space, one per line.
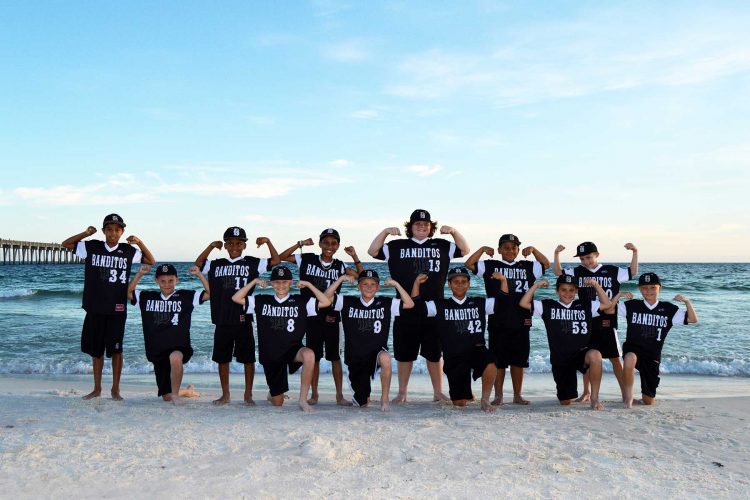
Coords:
113,276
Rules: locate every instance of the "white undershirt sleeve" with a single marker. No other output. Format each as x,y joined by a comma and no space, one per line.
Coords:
431,309
81,249
338,303
311,311
395,307
537,309
489,306
250,303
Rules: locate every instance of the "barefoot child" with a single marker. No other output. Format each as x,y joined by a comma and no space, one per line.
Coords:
281,319
461,322
166,326
508,331
105,294
604,335
233,335
323,329
367,322
568,324
419,252
649,321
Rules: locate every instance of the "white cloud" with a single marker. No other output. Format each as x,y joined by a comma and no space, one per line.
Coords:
340,163
424,170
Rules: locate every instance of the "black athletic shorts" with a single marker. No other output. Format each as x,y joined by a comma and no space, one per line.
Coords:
511,346
648,369
606,342
323,330
460,371
276,371
102,333
414,337
361,373
234,340
163,369
566,378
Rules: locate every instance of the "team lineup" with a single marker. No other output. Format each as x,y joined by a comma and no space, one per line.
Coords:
464,336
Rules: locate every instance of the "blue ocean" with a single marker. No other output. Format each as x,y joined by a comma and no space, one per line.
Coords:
41,318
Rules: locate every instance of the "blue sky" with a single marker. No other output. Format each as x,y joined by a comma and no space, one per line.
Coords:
557,121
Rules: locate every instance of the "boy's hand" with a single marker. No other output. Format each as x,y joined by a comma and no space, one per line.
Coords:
218,245
627,295
631,247
144,269
590,282
390,282
194,270
681,298
308,242
527,251
261,240
421,278
90,230
393,231
133,240
542,283
489,251
303,284
497,275
350,251
446,230
559,248
349,279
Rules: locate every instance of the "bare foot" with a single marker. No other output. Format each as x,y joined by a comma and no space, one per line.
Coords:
440,398
584,399
177,400
189,392
305,407
223,400
384,405
313,400
487,406
399,399
498,401
627,404
518,400
115,395
249,399
341,401
596,405
93,394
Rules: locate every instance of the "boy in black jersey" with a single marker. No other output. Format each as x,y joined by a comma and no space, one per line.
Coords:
649,321
105,294
461,324
418,253
568,323
508,332
166,318
233,335
323,330
604,336
281,319
367,322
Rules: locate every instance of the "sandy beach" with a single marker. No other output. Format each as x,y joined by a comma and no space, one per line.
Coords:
53,444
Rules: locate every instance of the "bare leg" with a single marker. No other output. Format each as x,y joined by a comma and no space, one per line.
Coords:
338,381
98,366
384,360
617,370
175,362
116,373
404,372
307,357
435,369
499,382
628,379
249,379
516,376
594,360
489,376
314,384
224,380
586,396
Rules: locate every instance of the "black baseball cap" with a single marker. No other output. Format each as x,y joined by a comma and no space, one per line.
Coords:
420,215
368,274
508,237
235,232
281,273
458,271
166,269
330,232
113,219
585,248
649,279
566,279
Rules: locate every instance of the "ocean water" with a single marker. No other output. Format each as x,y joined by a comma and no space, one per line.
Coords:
41,319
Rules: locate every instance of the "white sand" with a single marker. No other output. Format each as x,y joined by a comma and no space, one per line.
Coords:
52,444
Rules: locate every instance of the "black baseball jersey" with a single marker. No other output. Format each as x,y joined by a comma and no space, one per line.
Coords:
648,326
166,320
408,258
461,323
225,277
521,274
609,278
322,275
106,275
568,327
281,323
366,326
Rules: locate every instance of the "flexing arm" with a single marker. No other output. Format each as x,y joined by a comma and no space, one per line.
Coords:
239,296
379,240
418,283
405,299
195,271
633,259
147,257
331,290
613,307
458,238
692,317
351,252
274,260
70,243
323,301
471,262
502,279
144,270
539,256
288,254
556,267
527,301
604,301
200,261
